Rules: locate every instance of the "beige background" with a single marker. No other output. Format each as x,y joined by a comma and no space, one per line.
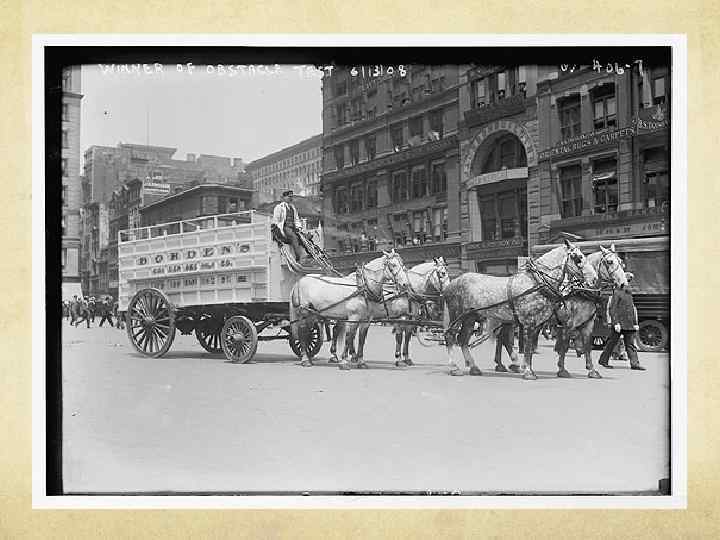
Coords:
699,20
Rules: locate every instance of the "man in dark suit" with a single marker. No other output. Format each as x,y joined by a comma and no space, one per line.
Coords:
624,322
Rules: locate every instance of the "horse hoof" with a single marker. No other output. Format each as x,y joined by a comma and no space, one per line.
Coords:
409,362
514,368
529,376
333,361
593,374
500,368
306,363
345,367
457,372
362,365
474,370
563,374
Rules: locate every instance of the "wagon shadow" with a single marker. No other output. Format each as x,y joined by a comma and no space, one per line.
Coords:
491,374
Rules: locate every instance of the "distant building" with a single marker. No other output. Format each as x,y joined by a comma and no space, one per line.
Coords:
296,167
201,200
95,239
107,168
71,183
391,165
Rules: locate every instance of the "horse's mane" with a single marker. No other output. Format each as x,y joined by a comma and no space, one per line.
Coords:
422,268
551,258
375,264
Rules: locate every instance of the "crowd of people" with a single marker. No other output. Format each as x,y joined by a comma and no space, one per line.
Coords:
84,309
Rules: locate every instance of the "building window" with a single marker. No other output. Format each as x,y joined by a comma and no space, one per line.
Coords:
340,88
439,179
400,229
339,156
659,91
569,110
64,166
356,109
419,183
487,217
340,114
507,153
341,202
371,199
65,142
508,214
67,80
656,181
416,126
370,146
419,222
371,113
439,224
65,194
63,258
399,187
479,93
436,123
356,198
354,152
396,136
604,112
571,194
65,112
605,186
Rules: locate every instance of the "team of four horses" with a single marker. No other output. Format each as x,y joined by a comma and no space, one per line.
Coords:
563,285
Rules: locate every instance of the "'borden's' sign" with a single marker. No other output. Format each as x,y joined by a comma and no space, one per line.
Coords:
587,140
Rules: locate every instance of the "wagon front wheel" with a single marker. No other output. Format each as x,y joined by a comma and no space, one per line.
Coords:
314,345
151,322
239,339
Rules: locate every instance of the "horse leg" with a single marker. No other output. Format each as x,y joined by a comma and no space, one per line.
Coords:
350,329
586,333
562,343
466,331
336,331
398,331
364,327
457,368
509,343
529,374
500,341
303,335
407,335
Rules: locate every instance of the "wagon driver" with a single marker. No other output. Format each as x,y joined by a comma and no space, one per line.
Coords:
287,220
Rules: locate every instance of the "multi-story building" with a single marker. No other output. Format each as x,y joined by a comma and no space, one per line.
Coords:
107,168
71,184
603,160
391,168
499,164
94,269
296,167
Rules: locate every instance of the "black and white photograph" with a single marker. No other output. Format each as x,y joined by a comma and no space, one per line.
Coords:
337,271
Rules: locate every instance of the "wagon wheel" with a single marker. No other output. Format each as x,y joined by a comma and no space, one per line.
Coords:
316,342
653,336
208,333
239,339
150,322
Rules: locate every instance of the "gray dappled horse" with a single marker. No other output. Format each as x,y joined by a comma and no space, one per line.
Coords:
427,281
527,298
316,298
576,316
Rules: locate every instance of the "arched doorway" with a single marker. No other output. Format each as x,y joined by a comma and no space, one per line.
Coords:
496,181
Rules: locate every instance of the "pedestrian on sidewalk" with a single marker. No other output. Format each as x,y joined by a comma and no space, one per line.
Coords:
83,313
622,317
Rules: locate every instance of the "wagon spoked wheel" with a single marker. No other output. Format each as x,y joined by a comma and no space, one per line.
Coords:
151,322
316,342
208,334
653,336
239,339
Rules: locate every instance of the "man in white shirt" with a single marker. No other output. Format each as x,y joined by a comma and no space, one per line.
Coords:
287,220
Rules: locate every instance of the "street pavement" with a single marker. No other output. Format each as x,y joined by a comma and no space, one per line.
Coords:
191,421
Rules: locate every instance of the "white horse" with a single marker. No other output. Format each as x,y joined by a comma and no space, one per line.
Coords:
315,298
527,298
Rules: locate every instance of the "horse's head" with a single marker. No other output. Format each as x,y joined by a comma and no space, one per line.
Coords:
611,268
440,278
394,268
578,266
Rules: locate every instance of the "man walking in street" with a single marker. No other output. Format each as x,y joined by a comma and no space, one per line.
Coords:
84,313
287,221
105,312
622,316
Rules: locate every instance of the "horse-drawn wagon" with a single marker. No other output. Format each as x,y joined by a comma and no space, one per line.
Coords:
220,277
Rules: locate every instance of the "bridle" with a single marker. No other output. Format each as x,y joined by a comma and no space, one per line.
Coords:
604,282
388,272
542,273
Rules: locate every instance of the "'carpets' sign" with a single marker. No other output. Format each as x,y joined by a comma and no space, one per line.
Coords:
587,140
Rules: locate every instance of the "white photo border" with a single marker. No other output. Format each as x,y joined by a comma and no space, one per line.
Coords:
678,328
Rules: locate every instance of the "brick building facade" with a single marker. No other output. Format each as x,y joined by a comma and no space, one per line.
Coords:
296,167
391,168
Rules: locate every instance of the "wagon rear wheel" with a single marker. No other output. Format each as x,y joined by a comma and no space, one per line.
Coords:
208,333
316,342
150,321
239,339
653,336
